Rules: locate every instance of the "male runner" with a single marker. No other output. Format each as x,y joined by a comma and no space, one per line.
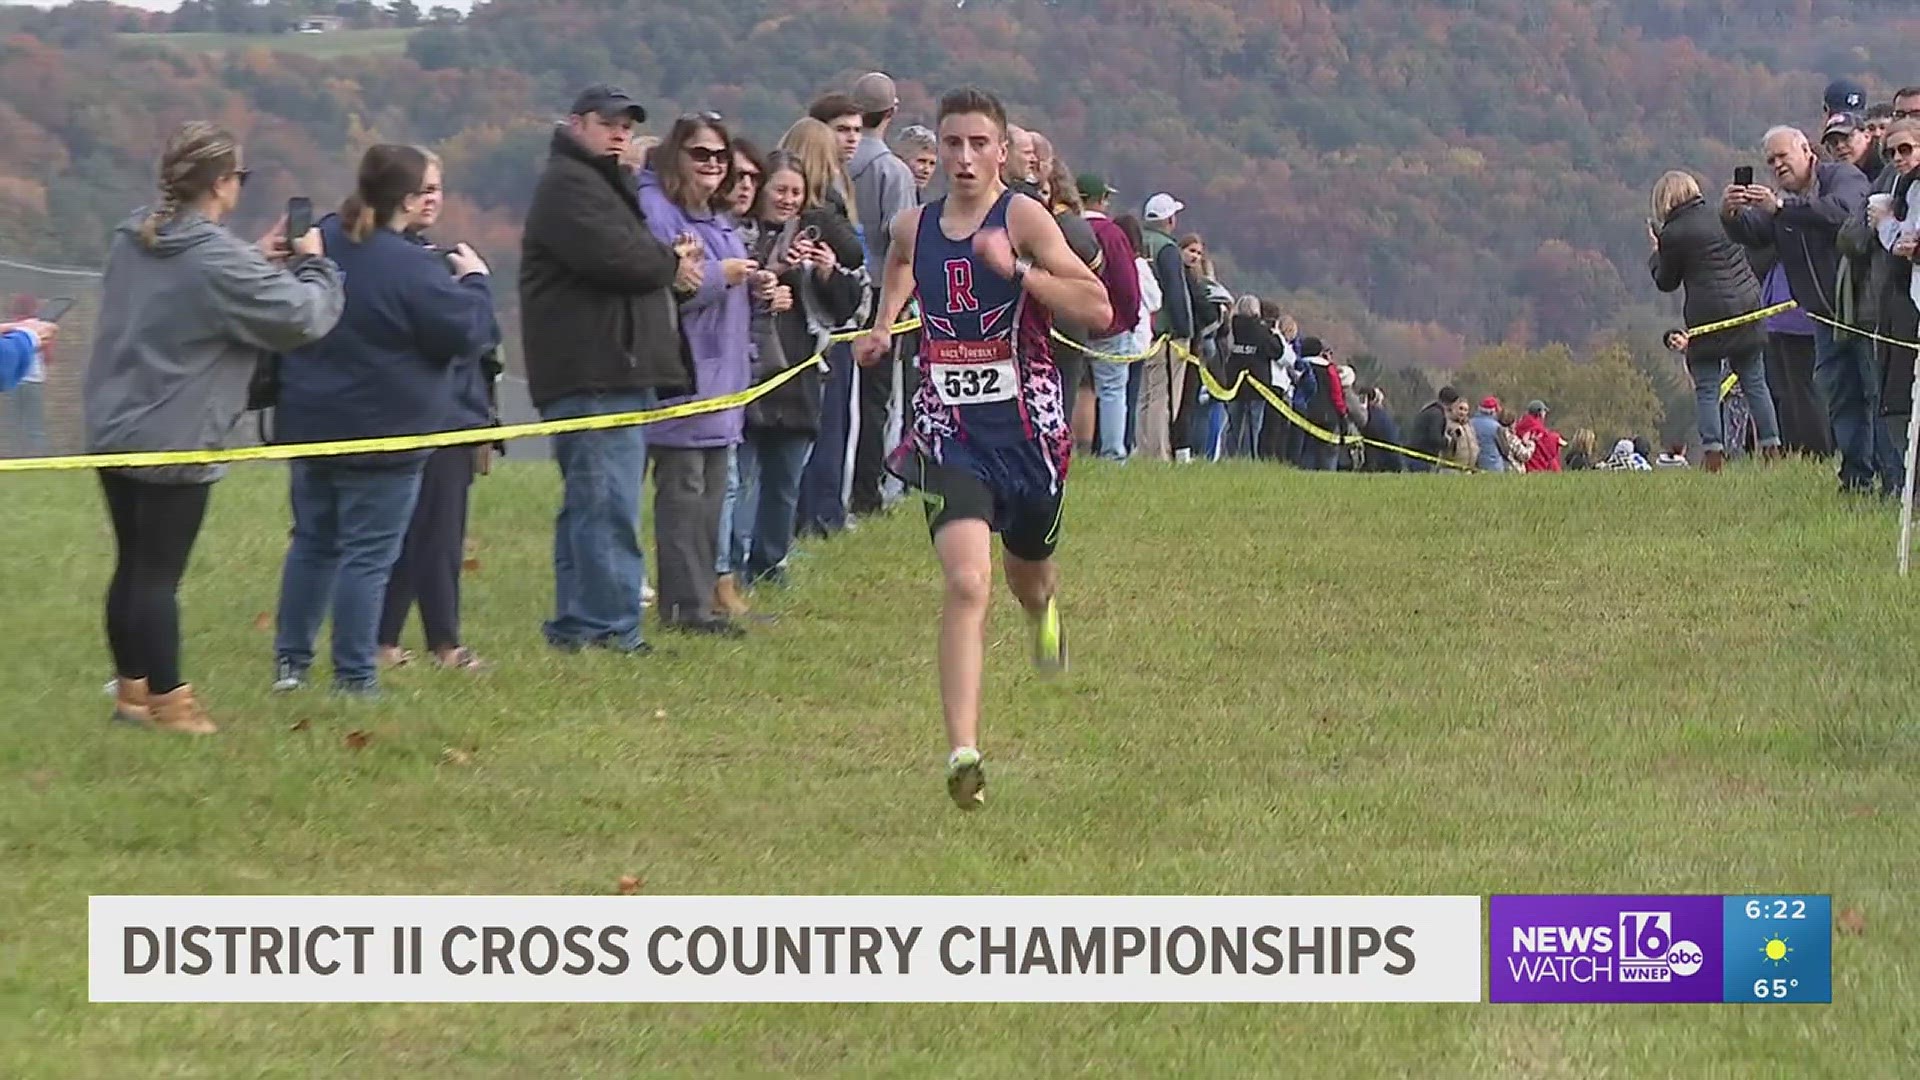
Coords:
987,444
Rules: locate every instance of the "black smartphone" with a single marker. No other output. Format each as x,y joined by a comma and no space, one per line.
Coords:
299,217
1743,176
51,310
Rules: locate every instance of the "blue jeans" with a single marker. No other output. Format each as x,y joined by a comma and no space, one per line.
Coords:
1110,396
824,487
1136,375
726,563
1246,414
26,420
349,523
1848,380
1751,369
770,469
598,567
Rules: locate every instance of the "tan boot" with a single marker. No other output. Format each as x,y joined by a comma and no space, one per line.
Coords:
1715,460
177,711
727,599
130,702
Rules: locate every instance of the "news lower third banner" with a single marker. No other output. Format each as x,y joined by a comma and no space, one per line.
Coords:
784,949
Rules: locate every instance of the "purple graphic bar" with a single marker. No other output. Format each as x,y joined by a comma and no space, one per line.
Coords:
1605,948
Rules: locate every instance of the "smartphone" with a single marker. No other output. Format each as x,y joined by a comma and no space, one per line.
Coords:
51,310
1743,176
299,217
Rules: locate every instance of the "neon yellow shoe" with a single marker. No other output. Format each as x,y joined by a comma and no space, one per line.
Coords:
966,778
1049,642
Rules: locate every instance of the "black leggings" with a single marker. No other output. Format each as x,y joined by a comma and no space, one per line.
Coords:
154,527
429,566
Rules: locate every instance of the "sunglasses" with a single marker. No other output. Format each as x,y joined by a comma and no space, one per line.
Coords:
707,155
746,176
1901,149
708,117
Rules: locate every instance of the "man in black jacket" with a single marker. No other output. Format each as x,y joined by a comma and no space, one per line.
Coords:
1802,223
1429,434
600,331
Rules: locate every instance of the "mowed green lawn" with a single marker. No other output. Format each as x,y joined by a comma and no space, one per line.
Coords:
1283,684
331,44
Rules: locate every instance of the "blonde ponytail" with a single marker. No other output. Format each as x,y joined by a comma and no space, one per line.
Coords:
198,156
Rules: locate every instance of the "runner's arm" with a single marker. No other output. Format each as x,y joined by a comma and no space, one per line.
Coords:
1059,278
896,288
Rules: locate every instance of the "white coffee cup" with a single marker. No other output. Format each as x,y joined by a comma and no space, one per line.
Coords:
1881,200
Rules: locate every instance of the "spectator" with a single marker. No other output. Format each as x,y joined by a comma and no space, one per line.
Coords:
1843,95
1429,434
1486,432
600,333
1043,154
1140,341
1200,418
918,148
740,204
841,114
689,170
1847,139
1256,348
883,186
1516,448
385,370
1692,251
27,390
1580,451
1893,217
1282,439
1119,270
1461,446
20,346
188,313
1878,119
1626,456
1165,375
1546,441
827,483
1802,221
1383,432
814,251
1321,399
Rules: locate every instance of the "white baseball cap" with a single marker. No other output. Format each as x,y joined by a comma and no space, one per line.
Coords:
1163,206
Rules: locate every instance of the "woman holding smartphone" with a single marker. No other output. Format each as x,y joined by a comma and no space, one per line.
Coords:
187,313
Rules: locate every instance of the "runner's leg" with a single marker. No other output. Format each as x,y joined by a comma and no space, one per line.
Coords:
965,547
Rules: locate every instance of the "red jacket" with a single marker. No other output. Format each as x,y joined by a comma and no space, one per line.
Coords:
1546,443
1120,272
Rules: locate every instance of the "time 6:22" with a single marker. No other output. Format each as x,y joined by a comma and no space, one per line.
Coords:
1776,909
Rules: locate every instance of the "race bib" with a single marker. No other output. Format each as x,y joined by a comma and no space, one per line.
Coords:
973,372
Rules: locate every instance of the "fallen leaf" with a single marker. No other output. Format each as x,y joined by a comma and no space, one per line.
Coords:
40,779
357,740
470,565
659,714
455,756
298,725
1864,811
263,621
628,884
1852,922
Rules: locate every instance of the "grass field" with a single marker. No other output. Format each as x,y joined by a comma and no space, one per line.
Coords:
336,43
1283,684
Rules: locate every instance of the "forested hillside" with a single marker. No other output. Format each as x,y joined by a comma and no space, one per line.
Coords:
1420,176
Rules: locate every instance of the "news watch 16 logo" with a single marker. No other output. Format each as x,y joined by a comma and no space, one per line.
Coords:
1605,948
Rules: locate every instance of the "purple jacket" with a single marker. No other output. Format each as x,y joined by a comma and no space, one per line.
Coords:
717,321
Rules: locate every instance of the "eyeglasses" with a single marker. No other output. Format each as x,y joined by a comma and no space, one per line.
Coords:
746,176
1903,149
1906,114
708,117
706,155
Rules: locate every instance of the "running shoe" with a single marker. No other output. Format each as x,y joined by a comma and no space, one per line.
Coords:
1049,641
966,778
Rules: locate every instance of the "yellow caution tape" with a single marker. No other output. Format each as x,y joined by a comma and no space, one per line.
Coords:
1895,342
1742,320
286,451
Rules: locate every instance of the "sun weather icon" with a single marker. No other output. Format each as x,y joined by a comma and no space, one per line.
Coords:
1776,950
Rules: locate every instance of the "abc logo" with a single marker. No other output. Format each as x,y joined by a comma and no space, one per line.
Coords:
1685,958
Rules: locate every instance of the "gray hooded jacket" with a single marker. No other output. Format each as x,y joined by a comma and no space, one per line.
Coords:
882,187
182,329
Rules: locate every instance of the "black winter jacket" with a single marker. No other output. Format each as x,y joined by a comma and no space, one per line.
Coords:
597,311
1805,233
1695,252
794,409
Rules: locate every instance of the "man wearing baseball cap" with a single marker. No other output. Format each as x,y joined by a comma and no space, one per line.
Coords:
1843,95
1164,374
1546,441
600,332
1846,139
1119,271
882,187
1486,428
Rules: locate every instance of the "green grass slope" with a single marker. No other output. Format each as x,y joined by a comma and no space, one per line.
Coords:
1283,683
336,43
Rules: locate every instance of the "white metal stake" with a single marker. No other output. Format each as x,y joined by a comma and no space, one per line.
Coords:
1906,489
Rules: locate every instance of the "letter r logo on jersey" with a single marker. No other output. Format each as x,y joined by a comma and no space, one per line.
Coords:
960,286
